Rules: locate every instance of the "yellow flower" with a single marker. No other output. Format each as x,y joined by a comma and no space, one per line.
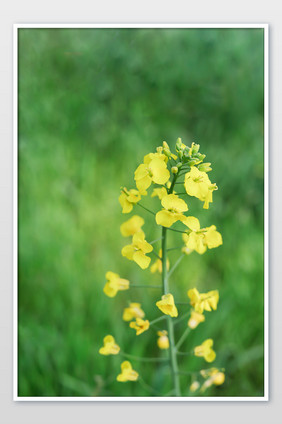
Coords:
154,170
127,373
159,192
138,249
203,301
214,376
166,150
167,305
163,342
128,198
200,239
158,265
114,284
205,350
194,386
133,311
172,212
195,319
139,325
132,226
110,347
198,184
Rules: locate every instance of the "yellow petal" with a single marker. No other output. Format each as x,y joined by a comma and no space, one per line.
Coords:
160,173
109,290
141,259
166,218
172,201
192,223
128,251
133,225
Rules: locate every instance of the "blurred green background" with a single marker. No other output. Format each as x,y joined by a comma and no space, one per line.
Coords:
92,103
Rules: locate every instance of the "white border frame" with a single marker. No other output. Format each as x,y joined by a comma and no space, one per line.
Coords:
16,27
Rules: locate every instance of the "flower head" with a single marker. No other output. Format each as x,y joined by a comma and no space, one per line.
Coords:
152,170
110,347
139,325
138,249
198,184
167,305
128,198
133,311
205,350
163,342
172,212
131,226
213,376
203,301
114,284
127,373
158,265
200,239
195,319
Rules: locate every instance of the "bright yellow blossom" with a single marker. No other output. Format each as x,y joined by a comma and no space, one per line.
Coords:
214,376
200,239
195,319
114,284
172,212
128,198
198,184
132,226
203,301
110,347
127,373
163,342
133,311
194,386
138,249
159,192
158,265
167,305
139,325
154,170
205,350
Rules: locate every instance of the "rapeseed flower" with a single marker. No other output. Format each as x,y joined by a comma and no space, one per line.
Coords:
167,305
114,284
163,342
128,198
139,325
158,264
159,192
203,301
172,212
195,319
131,226
138,249
133,311
205,350
214,376
200,239
153,170
198,184
127,373
110,347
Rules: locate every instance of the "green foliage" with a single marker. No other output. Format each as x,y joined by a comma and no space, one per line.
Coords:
92,102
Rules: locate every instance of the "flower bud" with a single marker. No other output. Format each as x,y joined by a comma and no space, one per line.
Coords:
159,149
174,169
205,167
178,144
165,145
193,162
194,148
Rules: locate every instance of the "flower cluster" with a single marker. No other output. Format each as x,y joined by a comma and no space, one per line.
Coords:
159,172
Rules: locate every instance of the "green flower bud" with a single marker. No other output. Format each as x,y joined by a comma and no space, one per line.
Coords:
174,169
178,144
193,162
194,148
204,167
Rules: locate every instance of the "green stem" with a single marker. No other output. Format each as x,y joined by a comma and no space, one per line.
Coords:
182,338
170,326
157,320
146,209
178,231
176,263
182,318
147,387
